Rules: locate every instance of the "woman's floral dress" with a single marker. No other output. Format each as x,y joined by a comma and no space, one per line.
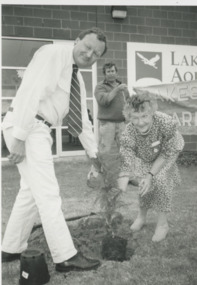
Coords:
138,152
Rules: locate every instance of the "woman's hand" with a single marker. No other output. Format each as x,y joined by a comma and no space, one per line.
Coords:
145,185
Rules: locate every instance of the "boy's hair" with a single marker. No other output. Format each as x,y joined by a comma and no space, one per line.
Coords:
109,65
100,36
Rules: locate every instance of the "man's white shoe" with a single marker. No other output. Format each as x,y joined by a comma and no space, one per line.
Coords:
160,233
137,225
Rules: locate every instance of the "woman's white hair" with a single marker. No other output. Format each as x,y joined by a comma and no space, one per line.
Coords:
139,103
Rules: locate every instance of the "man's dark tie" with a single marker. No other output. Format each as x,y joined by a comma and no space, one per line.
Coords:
74,115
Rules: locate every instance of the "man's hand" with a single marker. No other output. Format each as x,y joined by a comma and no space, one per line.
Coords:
95,179
96,164
122,87
17,151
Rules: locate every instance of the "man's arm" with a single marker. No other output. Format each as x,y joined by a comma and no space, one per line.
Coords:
87,137
104,97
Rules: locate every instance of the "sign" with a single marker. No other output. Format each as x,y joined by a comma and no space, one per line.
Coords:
178,100
170,73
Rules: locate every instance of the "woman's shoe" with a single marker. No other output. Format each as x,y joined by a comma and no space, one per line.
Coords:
137,225
160,233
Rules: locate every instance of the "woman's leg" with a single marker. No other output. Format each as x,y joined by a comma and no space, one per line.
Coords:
162,227
140,220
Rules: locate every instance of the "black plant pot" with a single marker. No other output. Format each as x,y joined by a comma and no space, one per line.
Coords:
33,268
114,248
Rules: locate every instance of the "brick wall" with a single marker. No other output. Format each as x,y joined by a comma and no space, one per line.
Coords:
147,24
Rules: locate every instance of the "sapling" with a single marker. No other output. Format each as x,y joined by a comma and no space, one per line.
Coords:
109,198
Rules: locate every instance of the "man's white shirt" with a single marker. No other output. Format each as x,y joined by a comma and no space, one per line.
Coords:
45,90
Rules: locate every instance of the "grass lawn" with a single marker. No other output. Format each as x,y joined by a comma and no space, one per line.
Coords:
171,262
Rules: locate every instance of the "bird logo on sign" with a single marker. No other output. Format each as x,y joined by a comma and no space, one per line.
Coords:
148,67
151,62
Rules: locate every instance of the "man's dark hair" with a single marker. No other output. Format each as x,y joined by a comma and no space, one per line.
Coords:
109,65
100,36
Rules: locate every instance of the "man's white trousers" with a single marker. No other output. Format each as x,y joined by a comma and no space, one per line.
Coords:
39,193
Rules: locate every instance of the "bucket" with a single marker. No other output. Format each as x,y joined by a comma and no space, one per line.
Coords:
33,268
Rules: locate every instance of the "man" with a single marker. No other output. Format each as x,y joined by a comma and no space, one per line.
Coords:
44,98
110,95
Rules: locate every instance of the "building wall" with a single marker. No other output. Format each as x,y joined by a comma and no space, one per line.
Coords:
145,24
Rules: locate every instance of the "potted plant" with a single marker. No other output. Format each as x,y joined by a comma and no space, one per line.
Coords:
109,199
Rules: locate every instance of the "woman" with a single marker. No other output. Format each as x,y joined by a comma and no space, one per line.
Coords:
150,146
